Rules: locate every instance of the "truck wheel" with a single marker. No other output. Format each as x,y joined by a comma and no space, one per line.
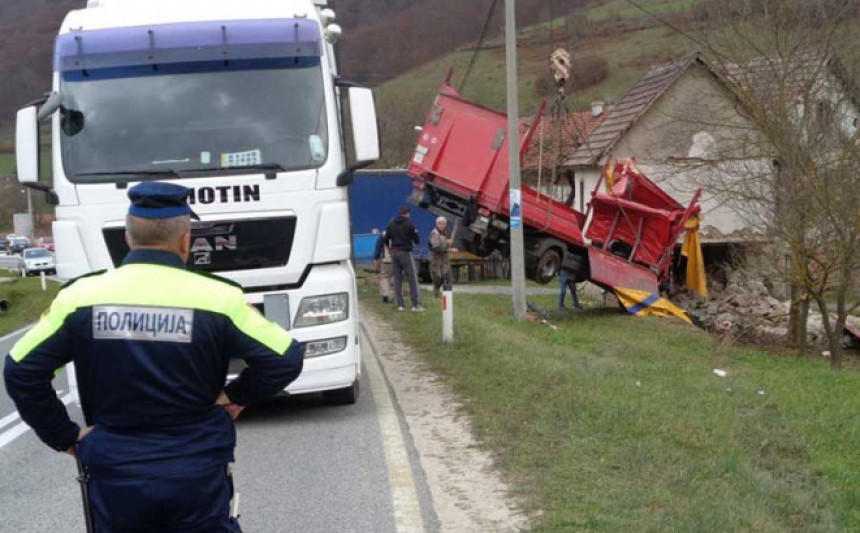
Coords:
579,266
346,396
547,266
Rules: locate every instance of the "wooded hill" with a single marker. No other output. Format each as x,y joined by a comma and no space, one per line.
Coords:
405,48
382,39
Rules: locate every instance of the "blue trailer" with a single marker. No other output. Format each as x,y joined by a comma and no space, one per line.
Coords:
374,199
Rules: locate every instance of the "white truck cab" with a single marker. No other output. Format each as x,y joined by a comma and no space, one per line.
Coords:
241,102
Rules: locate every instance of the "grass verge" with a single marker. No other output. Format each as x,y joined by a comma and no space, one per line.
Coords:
616,424
26,302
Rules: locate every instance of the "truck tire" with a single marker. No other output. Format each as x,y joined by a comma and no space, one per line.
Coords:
579,266
345,396
547,266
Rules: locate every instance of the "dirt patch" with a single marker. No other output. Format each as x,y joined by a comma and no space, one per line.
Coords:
468,493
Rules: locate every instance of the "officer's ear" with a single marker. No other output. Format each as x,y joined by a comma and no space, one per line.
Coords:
127,239
186,242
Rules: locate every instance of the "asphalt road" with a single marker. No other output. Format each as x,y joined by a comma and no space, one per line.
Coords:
301,466
9,262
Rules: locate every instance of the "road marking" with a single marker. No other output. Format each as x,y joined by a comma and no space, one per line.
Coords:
6,420
16,431
407,511
19,332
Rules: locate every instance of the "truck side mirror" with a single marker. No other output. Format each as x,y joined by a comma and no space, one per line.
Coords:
27,145
365,130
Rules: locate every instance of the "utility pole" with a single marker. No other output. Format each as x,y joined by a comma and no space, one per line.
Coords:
518,275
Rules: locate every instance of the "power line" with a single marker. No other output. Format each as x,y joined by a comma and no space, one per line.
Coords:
474,59
665,22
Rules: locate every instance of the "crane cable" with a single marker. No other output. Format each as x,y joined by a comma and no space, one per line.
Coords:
474,59
561,67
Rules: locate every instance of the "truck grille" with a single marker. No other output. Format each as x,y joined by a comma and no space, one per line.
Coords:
228,245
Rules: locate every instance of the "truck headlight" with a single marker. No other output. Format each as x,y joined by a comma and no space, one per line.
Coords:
316,310
325,347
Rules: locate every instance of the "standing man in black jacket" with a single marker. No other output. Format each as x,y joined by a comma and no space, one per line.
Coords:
400,236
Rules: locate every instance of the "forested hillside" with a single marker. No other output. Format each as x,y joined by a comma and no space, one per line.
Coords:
382,39
27,29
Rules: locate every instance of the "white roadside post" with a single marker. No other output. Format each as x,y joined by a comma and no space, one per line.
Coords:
44,283
448,316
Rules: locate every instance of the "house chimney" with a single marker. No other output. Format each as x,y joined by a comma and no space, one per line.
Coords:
597,107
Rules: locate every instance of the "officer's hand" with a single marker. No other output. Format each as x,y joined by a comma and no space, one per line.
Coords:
82,434
233,409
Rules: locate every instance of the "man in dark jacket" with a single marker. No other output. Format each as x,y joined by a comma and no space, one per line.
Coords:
151,343
400,236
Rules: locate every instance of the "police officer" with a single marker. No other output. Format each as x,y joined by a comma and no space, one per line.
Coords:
151,343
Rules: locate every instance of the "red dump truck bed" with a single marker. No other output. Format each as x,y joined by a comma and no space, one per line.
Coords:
460,168
464,151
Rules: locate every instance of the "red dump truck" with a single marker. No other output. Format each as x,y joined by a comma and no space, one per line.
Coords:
460,170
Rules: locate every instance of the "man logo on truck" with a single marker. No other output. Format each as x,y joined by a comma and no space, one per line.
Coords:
202,248
202,244
225,194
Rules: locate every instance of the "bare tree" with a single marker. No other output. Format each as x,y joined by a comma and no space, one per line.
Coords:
790,167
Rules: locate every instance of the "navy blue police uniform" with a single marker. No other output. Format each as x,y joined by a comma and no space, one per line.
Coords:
151,343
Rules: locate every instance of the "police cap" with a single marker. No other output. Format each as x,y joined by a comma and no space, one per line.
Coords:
154,199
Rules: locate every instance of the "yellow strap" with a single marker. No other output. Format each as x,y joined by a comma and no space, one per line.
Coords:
632,299
696,280
609,174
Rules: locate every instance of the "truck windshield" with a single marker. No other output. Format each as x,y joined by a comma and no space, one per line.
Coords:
193,117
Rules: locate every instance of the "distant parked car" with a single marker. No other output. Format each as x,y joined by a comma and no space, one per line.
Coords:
45,242
3,245
35,260
18,245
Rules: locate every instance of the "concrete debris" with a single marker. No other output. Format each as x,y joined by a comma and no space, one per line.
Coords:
551,326
746,308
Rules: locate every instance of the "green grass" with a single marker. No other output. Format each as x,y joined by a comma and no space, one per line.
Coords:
507,283
622,10
617,424
7,164
26,301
